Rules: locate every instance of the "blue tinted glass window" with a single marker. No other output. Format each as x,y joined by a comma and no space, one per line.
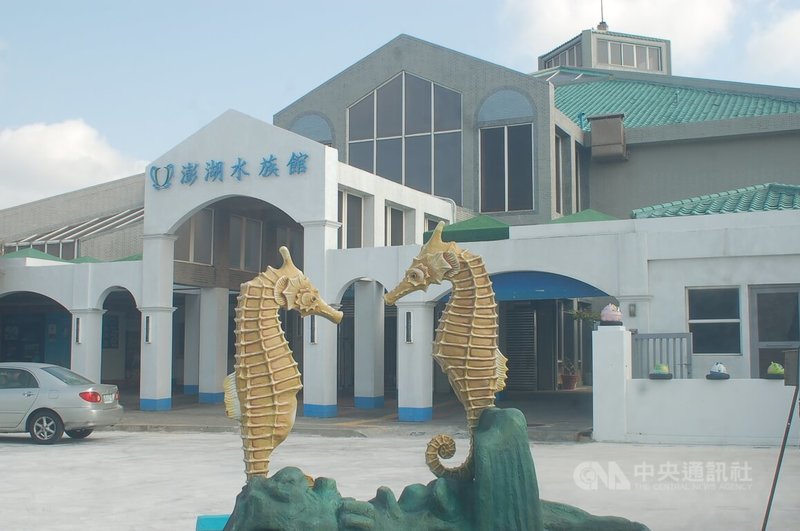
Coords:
362,119
418,163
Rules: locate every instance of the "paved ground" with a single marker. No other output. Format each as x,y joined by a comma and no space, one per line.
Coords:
552,416
159,471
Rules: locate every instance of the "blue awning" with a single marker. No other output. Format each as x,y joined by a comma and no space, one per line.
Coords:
538,285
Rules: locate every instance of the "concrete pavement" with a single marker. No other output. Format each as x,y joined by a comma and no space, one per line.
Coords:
564,416
161,481
160,470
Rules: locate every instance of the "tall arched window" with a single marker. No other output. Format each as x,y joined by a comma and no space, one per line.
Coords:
506,153
408,130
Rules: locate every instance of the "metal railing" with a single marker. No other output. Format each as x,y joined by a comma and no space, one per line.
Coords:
673,350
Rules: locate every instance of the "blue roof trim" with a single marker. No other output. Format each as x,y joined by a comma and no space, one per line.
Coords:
539,285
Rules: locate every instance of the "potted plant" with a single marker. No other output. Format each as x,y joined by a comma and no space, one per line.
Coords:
569,378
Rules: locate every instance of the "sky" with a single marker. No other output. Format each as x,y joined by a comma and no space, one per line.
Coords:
91,90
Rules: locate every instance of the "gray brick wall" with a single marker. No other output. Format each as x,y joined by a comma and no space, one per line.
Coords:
114,244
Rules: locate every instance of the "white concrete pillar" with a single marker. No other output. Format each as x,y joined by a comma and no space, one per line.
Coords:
213,344
369,308
319,346
414,361
611,372
87,342
191,345
155,388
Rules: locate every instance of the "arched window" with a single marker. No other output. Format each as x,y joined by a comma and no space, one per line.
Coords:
408,130
315,127
506,152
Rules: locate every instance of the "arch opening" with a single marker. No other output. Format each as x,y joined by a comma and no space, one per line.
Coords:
368,377
34,328
121,341
219,247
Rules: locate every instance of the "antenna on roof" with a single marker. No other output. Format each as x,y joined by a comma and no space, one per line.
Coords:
602,26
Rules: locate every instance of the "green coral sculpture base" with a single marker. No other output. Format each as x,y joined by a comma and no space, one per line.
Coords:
503,495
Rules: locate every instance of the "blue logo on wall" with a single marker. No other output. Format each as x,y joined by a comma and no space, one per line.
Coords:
156,174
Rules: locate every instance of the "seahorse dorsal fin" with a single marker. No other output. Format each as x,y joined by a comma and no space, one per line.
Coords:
500,370
233,407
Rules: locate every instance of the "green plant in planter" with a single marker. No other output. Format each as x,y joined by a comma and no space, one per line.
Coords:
584,315
775,369
569,377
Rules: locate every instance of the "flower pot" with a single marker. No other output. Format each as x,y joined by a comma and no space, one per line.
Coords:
569,381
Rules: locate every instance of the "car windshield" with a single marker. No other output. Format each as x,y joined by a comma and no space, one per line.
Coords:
67,376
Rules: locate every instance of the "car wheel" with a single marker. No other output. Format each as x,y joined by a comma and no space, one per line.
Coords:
79,434
46,427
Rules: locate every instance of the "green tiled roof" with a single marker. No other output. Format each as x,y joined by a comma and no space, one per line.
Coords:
650,104
758,198
131,258
33,253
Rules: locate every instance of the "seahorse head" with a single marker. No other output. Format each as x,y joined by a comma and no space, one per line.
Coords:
436,261
294,291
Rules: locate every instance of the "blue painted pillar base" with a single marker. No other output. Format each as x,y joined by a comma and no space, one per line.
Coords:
322,411
211,398
155,404
191,389
369,402
211,522
414,414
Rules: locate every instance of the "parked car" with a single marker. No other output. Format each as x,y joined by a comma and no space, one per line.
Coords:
48,400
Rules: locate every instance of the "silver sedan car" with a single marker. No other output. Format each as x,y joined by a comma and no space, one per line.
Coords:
48,400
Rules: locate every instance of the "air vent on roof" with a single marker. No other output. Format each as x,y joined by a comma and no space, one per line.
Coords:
608,137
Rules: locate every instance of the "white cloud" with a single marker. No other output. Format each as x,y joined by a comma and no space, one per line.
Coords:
40,160
695,28
771,50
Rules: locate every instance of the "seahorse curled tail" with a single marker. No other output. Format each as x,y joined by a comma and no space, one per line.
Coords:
444,447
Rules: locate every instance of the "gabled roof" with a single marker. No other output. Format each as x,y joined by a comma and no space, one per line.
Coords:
758,198
652,104
404,52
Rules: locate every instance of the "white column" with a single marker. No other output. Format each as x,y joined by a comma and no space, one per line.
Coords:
319,351
191,345
611,372
369,308
155,389
414,361
87,342
213,344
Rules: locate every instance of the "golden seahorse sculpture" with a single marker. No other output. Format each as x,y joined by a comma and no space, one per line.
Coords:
466,340
262,390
